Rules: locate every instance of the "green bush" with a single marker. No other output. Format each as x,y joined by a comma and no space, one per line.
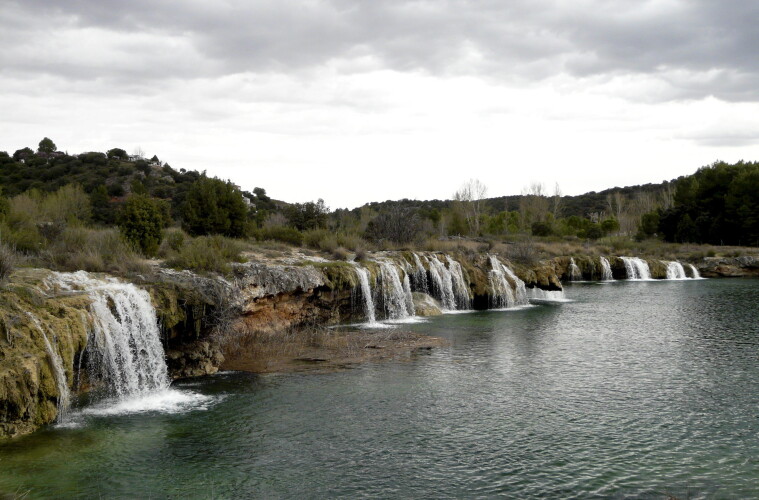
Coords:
208,254
24,237
314,237
213,206
173,241
141,222
281,233
8,262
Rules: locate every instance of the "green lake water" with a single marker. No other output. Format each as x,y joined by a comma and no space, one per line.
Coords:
632,390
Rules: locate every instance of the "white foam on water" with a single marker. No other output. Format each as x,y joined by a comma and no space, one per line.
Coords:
164,401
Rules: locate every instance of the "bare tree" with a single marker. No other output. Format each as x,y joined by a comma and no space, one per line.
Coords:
534,206
470,195
557,201
139,152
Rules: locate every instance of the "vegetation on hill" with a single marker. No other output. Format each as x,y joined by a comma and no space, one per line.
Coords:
108,211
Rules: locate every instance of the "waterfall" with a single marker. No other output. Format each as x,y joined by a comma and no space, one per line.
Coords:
408,295
574,272
366,293
675,271
637,269
442,283
59,373
501,293
507,290
460,288
606,269
124,347
420,276
696,275
396,298
539,295
519,288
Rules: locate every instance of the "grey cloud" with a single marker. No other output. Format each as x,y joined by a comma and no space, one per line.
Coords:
519,40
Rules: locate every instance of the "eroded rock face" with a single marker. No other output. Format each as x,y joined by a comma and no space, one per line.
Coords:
29,393
426,305
194,359
714,267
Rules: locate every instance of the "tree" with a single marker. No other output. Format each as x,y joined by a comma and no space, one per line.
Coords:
47,146
213,206
22,154
141,222
469,195
309,215
397,223
102,211
117,153
534,205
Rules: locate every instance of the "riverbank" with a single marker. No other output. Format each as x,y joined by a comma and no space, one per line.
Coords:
269,315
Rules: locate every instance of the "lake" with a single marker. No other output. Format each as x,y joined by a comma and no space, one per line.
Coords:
632,389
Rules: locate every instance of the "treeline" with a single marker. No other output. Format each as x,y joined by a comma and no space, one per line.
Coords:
94,205
719,205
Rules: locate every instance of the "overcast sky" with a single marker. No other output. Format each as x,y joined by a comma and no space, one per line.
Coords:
368,100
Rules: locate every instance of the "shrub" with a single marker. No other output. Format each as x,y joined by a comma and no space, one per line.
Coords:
173,241
281,233
314,237
213,206
208,254
141,222
8,262
94,250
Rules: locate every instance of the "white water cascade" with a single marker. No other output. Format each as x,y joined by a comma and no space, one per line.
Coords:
637,269
520,291
442,283
420,275
675,270
507,290
59,373
366,293
501,292
460,288
124,346
574,272
606,274
540,296
396,295
696,275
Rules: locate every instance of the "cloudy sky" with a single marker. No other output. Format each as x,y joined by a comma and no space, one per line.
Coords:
367,100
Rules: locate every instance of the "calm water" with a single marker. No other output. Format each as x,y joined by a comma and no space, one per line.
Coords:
632,390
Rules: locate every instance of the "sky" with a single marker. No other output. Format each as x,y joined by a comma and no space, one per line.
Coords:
368,100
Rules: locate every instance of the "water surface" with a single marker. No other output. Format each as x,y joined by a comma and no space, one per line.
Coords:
631,390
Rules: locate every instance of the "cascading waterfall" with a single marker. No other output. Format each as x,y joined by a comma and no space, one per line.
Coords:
696,275
409,297
637,269
606,274
675,271
420,275
460,288
507,290
59,373
124,347
501,293
519,287
396,298
366,293
442,283
539,295
574,272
